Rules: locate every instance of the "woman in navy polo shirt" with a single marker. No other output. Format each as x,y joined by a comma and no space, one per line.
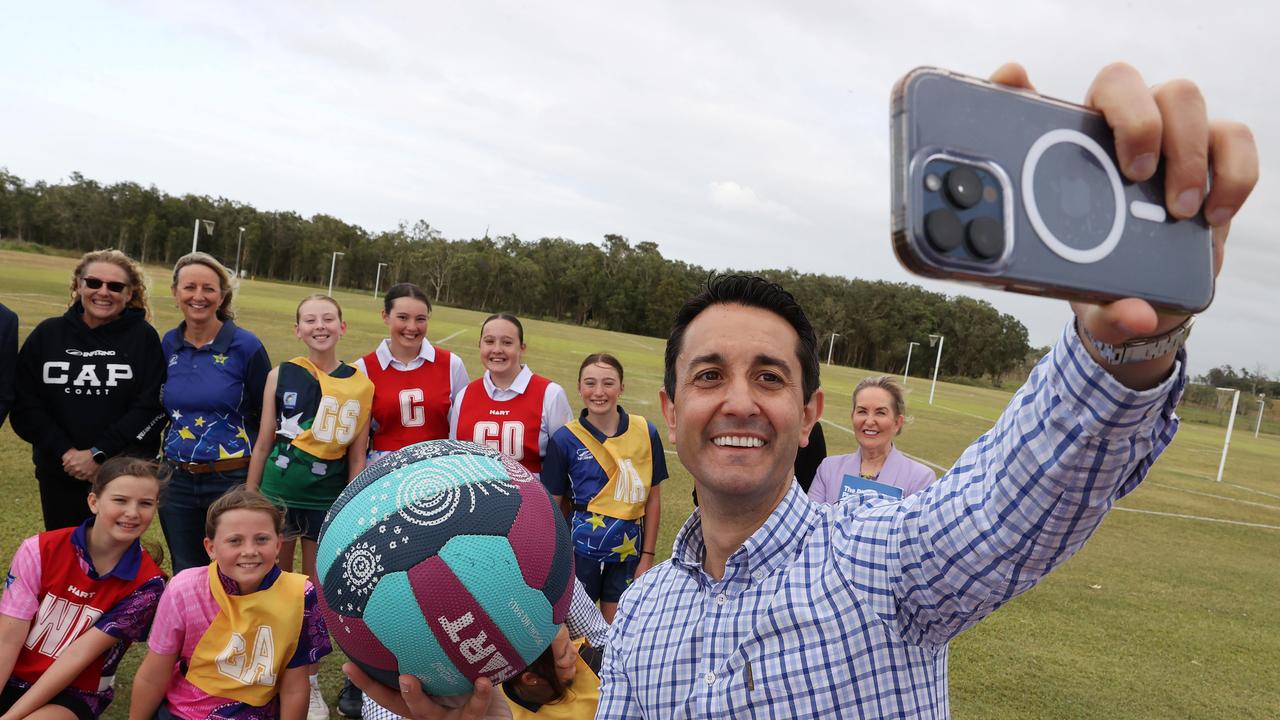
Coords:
213,399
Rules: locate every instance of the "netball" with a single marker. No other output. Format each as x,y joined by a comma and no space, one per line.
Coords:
445,560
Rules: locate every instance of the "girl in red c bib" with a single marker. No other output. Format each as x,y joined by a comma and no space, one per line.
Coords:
77,597
414,381
510,409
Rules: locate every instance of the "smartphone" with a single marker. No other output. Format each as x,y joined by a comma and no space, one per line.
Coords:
1013,190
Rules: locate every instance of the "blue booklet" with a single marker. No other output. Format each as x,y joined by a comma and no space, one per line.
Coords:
854,484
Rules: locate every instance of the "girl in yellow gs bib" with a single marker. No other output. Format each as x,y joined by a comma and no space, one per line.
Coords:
233,640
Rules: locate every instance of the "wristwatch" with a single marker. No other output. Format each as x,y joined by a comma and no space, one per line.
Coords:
1140,349
98,456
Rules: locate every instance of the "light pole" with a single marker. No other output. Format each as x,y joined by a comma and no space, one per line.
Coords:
831,347
333,264
907,369
1262,402
238,242
1235,402
936,363
377,277
195,232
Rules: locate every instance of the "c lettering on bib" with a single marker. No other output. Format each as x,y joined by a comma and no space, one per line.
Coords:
412,412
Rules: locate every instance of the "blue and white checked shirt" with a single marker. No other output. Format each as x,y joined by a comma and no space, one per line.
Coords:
845,611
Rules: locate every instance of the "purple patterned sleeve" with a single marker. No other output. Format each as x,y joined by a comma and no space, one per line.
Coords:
130,619
313,641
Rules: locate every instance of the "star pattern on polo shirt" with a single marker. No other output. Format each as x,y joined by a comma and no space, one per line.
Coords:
199,422
628,547
219,359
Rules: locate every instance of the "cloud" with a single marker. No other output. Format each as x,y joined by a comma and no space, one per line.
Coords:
732,196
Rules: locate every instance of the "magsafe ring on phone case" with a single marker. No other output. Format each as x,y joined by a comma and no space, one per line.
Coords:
1061,249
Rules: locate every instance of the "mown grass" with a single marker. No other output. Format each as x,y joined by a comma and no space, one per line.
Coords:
1159,616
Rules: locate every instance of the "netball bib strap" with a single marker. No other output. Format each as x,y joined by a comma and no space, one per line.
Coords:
247,646
627,460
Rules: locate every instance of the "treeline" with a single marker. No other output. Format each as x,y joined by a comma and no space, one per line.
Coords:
615,285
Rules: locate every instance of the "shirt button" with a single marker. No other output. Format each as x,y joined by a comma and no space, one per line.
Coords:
710,678
721,599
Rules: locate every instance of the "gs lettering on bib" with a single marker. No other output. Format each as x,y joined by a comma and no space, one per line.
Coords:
248,645
327,409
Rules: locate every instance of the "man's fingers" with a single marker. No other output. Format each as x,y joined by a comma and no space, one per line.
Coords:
1013,75
1235,170
1186,146
1122,96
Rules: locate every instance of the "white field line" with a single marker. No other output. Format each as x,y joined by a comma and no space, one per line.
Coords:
939,468
1249,489
1197,517
445,340
1211,495
961,412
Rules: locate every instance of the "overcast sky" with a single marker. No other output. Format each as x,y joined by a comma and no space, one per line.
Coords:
731,134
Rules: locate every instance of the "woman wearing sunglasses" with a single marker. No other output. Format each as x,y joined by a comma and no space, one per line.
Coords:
88,384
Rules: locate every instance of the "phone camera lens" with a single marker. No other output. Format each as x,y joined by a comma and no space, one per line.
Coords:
985,237
943,229
964,187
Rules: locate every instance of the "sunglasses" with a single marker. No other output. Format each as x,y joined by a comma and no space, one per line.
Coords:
94,283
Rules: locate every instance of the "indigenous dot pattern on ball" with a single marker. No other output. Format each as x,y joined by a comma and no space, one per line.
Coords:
445,560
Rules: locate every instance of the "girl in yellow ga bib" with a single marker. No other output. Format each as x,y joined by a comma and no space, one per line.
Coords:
233,640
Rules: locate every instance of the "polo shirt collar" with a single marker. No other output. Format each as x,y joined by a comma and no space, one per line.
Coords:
233,588
623,419
221,342
427,352
769,547
126,567
518,387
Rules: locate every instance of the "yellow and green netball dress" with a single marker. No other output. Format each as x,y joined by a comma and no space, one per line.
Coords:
318,416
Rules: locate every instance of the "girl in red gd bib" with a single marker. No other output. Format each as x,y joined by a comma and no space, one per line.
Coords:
76,598
510,409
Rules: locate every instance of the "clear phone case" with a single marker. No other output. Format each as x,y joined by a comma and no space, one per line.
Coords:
1013,190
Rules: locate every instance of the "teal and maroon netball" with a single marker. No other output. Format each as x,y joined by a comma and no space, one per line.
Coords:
446,560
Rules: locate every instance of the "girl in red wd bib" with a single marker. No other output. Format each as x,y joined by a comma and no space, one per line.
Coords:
76,598
510,409
233,640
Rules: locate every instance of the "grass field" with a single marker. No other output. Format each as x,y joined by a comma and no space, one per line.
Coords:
1171,610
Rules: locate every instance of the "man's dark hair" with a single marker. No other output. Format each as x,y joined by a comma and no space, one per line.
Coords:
749,291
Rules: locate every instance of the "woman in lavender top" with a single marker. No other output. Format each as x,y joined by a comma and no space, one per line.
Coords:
878,416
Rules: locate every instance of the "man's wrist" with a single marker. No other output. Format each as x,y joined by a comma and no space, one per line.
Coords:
1140,375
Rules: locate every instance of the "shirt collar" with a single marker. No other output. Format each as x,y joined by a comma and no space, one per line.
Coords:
126,567
595,432
518,387
767,548
221,342
427,352
231,587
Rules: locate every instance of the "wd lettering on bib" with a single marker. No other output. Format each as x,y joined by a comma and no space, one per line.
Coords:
249,669
59,622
